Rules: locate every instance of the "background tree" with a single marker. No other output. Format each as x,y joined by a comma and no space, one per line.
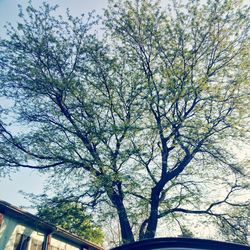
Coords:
139,121
235,226
71,217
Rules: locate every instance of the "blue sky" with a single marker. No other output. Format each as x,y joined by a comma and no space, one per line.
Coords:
30,180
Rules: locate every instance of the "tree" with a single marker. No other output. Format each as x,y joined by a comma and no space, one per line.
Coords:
139,121
71,217
235,226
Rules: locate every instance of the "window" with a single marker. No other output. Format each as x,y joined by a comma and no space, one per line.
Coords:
35,245
1,219
51,247
21,242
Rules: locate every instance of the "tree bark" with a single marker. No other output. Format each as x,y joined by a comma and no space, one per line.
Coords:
126,231
153,217
153,220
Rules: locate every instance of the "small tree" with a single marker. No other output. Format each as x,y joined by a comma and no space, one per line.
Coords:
138,121
71,217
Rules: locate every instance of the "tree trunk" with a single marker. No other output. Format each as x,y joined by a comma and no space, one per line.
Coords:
126,231
153,217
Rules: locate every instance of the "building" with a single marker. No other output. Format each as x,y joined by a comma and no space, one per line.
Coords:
20,230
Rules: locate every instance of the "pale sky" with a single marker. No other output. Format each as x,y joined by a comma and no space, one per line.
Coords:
29,180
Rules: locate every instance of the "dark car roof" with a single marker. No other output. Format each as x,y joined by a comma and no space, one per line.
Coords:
181,244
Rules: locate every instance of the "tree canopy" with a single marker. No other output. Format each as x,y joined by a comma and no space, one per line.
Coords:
137,124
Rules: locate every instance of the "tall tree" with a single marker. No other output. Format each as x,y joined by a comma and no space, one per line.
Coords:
138,121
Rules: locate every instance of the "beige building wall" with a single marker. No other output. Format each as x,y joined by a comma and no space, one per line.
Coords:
62,244
9,230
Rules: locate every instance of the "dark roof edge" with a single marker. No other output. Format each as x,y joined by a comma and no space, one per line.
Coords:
7,208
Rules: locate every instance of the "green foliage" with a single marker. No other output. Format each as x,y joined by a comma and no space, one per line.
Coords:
71,217
139,120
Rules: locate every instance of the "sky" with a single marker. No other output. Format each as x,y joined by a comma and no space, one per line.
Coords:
29,180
